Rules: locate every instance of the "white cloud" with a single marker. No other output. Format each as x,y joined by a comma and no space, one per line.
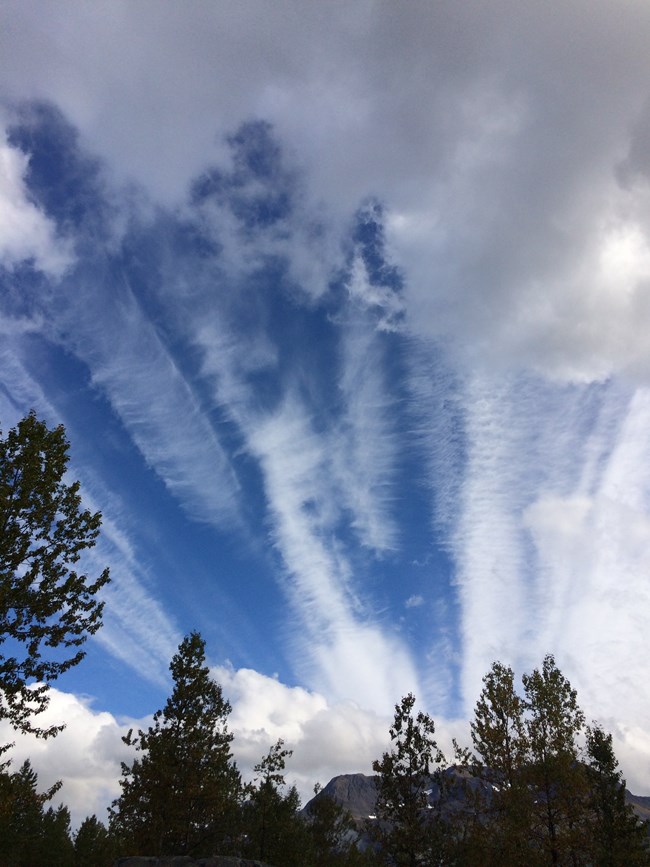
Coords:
552,538
25,231
363,448
308,481
86,756
414,601
500,178
327,739
594,550
131,364
379,298
513,162
302,505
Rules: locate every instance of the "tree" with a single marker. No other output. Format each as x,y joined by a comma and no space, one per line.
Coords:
274,831
404,827
502,796
547,801
181,796
93,844
54,846
619,838
47,608
331,828
552,771
498,727
29,835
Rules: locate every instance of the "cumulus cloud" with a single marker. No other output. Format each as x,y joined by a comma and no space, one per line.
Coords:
86,756
26,233
327,738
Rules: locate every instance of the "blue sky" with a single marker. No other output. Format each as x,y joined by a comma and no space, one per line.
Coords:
346,316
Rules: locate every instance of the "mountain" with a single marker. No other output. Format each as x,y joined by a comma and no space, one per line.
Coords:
640,805
358,793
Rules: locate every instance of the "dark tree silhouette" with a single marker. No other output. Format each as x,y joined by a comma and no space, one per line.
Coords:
47,608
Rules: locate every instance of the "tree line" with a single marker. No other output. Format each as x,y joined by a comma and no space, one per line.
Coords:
537,787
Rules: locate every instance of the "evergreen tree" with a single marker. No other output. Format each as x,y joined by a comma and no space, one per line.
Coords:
274,830
47,609
181,796
29,836
404,827
54,846
498,727
93,844
332,831
619,838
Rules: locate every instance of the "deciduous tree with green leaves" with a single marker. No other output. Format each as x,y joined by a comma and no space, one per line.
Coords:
499,738
181,797
552,770
550,801
47,608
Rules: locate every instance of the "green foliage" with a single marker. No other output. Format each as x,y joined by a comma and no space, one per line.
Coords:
498,729
618,836
54,845
31,836
331,829
404,828
273,830
93,844
47,609
545,804
552,771
181,796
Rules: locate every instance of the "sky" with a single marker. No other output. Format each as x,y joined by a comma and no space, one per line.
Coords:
345,309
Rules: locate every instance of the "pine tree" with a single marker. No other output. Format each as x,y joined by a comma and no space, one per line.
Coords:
181,796
54,846
404,828
93,844
619,838
546,805
274,830
47,609
331,829
26,830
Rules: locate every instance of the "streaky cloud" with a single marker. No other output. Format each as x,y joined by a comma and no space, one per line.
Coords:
364,446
